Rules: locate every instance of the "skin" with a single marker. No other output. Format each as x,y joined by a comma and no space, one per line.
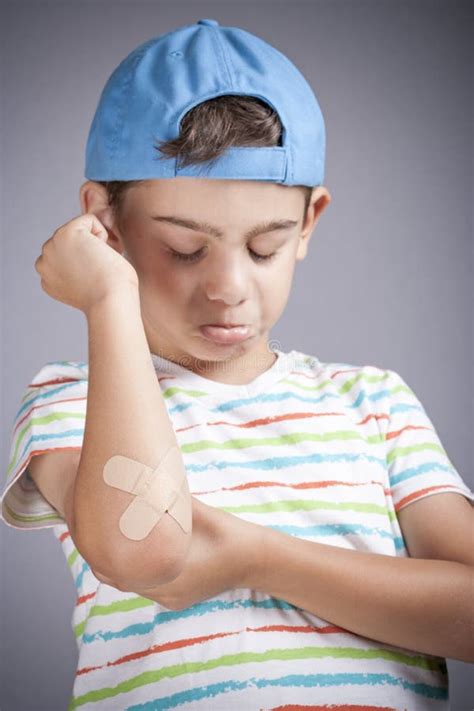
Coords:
225,282
78,268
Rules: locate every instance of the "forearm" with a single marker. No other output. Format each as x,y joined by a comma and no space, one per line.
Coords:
125,414
420,605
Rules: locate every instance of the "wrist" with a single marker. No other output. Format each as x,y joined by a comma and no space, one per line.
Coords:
123,296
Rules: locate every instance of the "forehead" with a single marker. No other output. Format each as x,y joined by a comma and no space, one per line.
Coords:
206,192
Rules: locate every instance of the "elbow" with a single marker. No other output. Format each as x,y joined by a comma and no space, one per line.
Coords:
144,571
134,565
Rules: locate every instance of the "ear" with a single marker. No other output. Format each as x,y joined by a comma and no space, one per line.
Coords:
93,198
320,199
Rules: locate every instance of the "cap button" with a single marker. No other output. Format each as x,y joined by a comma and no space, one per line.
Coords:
211,23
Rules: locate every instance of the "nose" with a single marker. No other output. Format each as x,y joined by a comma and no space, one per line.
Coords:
227,280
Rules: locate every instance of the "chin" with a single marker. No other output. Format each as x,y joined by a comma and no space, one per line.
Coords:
217,352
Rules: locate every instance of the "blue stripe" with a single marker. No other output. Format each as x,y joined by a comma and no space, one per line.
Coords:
404,407
420,469
85,569
280,462
44,437
380,394
269,397
180,408
197,610
39,395
290,681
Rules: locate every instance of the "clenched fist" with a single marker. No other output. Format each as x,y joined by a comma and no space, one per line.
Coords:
79,268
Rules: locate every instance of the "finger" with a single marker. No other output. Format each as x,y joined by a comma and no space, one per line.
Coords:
96,226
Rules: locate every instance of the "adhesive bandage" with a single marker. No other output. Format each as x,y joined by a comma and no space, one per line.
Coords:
157,491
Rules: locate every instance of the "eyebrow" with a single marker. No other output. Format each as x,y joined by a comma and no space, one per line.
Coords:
217,233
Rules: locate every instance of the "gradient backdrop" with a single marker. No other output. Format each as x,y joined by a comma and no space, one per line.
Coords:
388,280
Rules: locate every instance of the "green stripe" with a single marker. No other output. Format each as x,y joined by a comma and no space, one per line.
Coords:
362,376
294,438
192,393
402,389
230,660
43,420
133,603
323,384
403,451
301,504
32,518
71,558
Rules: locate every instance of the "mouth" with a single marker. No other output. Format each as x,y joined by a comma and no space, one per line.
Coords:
224,324
225,334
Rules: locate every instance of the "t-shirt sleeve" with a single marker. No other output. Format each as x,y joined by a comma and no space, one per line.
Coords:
417,462
51,416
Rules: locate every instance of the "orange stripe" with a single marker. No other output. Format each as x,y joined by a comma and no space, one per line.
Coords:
190,641
54,449
303,375
300,485
56,381
281,418
416,494
349,370
84,598
395,433
265,420
381,416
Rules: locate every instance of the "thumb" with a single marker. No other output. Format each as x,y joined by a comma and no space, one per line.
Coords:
97,228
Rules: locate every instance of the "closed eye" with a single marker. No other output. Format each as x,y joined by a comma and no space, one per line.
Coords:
195,256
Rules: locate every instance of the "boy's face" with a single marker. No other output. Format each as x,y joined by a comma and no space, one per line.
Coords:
226,280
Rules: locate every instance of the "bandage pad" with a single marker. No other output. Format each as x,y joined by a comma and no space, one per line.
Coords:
156,490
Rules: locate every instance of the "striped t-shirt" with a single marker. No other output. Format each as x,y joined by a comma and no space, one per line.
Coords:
328,452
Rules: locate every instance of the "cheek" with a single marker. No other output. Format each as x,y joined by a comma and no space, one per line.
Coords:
281,276
156,272
277,286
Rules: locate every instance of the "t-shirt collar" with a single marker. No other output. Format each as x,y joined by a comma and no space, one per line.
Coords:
278,370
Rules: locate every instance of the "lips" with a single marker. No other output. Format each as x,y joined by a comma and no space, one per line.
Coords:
226,325
225,334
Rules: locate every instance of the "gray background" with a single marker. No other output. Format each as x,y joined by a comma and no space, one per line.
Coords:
387,280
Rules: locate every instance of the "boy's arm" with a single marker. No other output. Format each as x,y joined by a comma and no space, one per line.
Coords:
125,415
417,604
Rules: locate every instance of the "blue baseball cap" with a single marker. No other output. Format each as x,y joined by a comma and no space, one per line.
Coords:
151,90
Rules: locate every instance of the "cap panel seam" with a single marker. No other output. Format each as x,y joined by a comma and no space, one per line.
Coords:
219,46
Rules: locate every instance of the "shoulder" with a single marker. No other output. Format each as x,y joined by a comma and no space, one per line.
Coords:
365,392
59,371
55,382
49,418
56,377
354,383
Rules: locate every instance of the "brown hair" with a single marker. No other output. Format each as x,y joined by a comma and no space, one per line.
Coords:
207,130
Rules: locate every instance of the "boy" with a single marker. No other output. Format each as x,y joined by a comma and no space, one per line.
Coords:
247,528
